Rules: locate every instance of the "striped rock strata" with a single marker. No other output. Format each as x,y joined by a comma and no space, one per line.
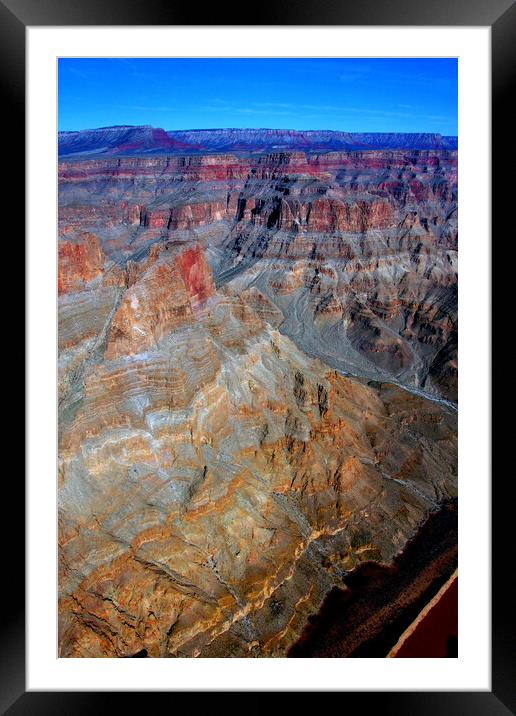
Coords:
216,477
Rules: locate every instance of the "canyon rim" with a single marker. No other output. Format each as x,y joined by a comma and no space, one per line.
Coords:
257,370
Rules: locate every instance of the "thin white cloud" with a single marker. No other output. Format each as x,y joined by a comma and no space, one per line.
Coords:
148,108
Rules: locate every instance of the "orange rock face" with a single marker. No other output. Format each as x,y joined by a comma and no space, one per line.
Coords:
80,261
151,307
161,300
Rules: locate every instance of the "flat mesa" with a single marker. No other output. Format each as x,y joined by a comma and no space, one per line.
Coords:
257,379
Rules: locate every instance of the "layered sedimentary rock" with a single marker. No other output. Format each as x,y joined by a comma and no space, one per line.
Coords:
219,473
362,245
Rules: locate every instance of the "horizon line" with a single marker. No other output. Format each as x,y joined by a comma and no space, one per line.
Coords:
243,128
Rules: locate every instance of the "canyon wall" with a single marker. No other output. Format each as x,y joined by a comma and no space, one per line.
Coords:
247,347
363,245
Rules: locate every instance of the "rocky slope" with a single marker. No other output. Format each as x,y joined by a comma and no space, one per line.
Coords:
219,473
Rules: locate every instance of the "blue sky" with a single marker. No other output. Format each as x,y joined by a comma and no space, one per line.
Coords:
350,94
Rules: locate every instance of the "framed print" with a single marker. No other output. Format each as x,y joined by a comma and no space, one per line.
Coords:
258,354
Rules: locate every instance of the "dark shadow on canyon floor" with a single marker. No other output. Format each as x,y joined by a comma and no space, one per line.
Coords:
378,602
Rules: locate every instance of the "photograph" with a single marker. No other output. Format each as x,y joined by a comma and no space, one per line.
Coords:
257,359
248,330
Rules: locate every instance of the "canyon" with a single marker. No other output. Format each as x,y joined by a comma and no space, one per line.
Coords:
257,379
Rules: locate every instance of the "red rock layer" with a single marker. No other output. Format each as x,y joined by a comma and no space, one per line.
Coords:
80,261
159,301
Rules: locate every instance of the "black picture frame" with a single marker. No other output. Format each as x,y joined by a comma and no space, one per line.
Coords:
500,15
